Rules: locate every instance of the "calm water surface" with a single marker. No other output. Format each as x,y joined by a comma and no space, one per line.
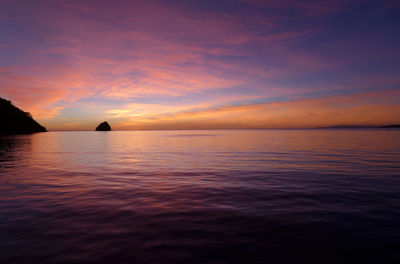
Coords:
245,196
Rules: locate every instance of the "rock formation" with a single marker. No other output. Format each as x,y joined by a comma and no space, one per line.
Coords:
103,127
15,121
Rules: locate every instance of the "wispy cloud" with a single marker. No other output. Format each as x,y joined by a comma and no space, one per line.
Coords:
160,59
372,108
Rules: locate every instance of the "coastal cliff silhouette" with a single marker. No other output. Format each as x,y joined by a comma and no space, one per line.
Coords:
15,121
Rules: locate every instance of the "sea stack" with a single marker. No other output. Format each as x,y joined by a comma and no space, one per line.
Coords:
103,127
15,121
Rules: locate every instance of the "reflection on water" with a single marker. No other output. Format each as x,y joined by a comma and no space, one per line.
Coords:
246,196
13,150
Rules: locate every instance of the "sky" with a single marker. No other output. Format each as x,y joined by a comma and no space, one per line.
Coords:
199,64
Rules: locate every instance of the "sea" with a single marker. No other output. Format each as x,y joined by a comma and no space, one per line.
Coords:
201,196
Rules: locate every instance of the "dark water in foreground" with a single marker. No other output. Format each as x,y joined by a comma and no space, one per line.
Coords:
263,196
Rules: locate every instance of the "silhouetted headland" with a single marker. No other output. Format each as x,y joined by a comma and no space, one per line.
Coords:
358,127
391,126
15,121
103,127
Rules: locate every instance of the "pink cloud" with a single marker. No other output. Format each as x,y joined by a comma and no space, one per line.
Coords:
144,49
313,9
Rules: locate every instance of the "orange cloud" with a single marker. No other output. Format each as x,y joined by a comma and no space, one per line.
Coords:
375,108
136,62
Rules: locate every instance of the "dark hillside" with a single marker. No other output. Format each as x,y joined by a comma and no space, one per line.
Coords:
15,121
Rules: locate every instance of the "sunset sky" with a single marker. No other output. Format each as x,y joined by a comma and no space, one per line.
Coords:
201,64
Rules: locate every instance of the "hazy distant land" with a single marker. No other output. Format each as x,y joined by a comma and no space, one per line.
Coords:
361,127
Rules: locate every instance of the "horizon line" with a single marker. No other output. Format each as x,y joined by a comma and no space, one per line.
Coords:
193,129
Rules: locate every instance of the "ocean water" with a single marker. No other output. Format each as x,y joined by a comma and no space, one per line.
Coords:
220,196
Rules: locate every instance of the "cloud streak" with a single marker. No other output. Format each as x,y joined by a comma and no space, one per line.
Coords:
64,59
372,108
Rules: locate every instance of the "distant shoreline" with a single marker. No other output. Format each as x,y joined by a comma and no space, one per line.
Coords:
202,129
361,127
